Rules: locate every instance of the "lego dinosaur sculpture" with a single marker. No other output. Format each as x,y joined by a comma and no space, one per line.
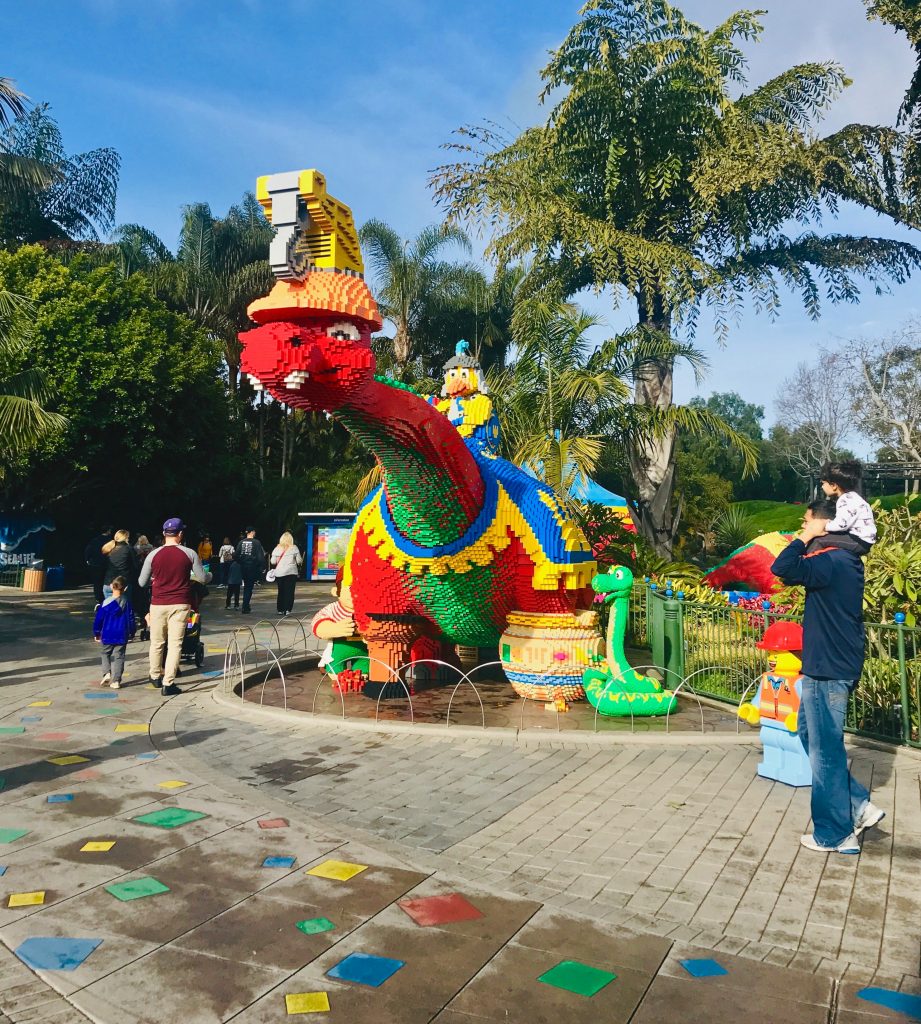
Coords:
456,540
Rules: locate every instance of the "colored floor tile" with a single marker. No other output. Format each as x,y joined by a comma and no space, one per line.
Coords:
60,798
110,711
2,869
170,817
172,784
65,759
366,969
315,925
10,835
26,899
340,870
133,727
40,704
101,695
11,730
900,1002
704,968
97,846
212,675
86,775
577,977
30,718
272,822
43,954
279,862
137,889
435,910
53,736
149,756
307,1002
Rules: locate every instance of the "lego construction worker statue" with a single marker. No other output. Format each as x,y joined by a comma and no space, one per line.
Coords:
776,706
465,401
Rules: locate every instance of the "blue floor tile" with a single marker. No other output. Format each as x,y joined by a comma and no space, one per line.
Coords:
365,969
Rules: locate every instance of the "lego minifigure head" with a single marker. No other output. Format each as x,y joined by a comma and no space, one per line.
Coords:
463,374
784,663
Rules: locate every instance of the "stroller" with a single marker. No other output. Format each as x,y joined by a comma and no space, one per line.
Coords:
192,647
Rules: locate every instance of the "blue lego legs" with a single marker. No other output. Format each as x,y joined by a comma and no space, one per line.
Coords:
785,760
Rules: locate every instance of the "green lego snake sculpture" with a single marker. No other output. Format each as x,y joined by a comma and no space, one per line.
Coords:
617,688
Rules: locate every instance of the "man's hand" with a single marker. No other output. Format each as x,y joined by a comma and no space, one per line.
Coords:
812,528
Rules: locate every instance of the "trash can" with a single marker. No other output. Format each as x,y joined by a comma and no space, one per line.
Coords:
33,581
54,578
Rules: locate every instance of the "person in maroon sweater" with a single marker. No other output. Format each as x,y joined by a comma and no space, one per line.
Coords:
170,571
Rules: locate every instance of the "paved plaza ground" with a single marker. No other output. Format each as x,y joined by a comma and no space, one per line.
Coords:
579,877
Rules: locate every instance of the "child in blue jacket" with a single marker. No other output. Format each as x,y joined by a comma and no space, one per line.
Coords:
113,625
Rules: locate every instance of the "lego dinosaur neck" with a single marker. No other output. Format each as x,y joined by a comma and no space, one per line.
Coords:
432,483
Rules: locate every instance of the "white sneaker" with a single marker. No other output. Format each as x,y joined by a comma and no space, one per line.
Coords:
105,679
115,685
870,816
848,845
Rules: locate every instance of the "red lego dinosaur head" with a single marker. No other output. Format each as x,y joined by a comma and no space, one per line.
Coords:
313,346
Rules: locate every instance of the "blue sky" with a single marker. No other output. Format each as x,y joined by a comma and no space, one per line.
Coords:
200,97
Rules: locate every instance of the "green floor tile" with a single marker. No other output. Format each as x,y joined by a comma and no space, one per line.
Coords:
575,977
10,835
170,817
137,888
315,925
11,730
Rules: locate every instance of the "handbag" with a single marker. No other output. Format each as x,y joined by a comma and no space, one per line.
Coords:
270,576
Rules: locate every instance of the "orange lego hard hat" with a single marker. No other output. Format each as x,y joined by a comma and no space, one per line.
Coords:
782,636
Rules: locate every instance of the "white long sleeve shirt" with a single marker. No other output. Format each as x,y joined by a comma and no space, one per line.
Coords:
853,515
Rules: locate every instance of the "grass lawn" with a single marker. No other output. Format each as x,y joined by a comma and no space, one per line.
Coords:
781,515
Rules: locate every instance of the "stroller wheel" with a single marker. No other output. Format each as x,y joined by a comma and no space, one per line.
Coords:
200,655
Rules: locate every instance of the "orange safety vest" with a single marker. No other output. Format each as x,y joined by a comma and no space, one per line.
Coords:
778,697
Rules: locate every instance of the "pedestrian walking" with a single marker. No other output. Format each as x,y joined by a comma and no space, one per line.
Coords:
142,548
251,556
225,557
121,560
170,570
234,580
113,625
833,653
286,561
96,561
205,550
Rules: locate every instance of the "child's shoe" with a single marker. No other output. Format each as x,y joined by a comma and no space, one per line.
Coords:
115,684
105,679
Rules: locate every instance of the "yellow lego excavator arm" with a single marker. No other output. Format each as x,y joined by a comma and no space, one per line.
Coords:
314,231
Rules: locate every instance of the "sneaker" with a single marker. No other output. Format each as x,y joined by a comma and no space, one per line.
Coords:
154,684
848,845
170,691
246,611
105,679
871,815
115,684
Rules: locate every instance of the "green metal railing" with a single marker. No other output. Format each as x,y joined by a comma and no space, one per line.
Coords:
713,647
12,577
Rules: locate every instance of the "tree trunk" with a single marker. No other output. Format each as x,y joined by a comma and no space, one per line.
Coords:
652,459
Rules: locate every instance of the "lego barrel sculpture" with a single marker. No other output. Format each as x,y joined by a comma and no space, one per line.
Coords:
544,655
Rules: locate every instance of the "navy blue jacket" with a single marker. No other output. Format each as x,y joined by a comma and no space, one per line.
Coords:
833,634
114,622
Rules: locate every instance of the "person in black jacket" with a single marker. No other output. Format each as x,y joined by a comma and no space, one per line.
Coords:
251,556
121,560
833,653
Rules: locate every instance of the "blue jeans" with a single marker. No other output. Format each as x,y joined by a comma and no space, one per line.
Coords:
838,799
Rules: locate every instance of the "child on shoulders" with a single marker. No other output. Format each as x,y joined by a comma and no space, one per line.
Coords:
854,517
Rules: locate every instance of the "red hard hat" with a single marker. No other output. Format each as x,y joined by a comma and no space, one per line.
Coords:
782,636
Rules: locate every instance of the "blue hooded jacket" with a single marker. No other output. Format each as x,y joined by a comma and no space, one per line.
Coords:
114,622
833,631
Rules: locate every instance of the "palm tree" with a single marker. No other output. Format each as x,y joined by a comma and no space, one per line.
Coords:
12,101
413,283
23,419
46,194
562,403
658,177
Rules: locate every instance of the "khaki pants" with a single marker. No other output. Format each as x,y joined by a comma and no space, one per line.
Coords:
167,628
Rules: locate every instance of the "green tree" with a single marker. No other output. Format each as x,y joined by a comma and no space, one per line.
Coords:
46,194
138,384
659,176
24,421
413,285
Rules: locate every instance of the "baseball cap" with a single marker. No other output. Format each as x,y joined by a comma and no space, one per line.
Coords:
173,526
